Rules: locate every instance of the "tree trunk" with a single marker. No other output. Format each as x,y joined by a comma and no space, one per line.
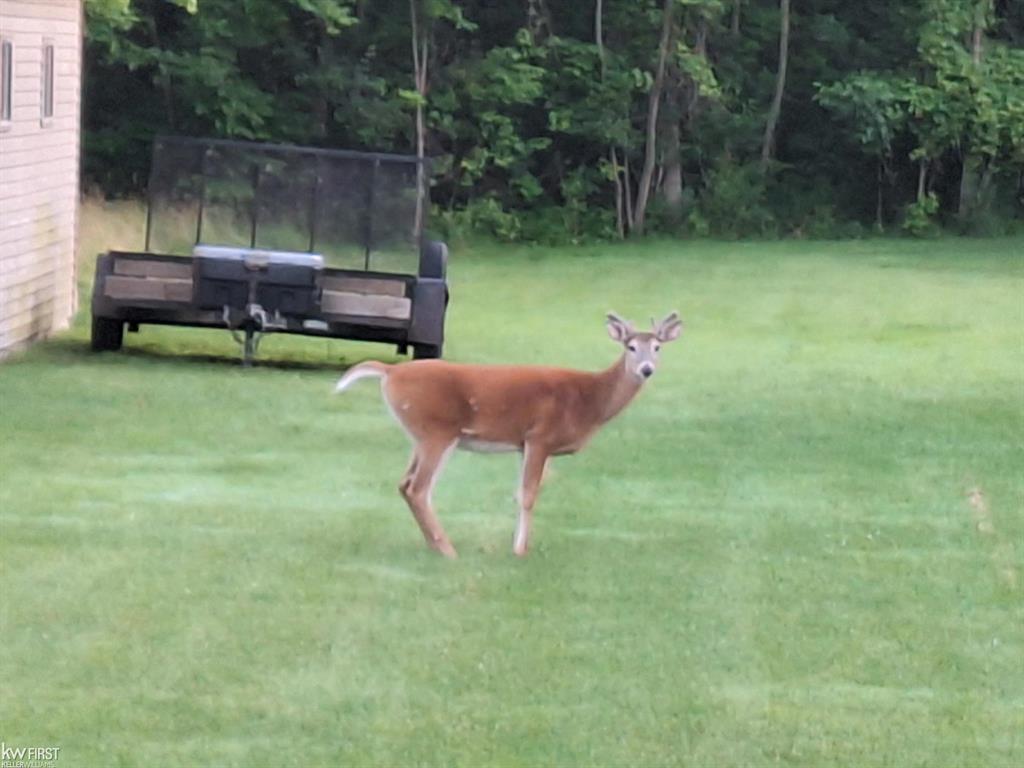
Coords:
986,180
420,51
735,24
700,47
768,145
163,77
320,105
672,183
681,105
627,188
970,184
972,166
538,20
922,174
620,224
878,199
620,227
653,103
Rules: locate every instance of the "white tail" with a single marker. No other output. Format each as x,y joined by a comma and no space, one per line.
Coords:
539,412
367,370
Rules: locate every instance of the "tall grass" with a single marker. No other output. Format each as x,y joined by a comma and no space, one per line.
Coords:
121,225
106,225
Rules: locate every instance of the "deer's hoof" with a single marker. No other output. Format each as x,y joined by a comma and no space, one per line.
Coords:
445,548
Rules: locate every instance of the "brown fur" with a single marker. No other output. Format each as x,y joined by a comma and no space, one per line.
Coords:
555,408
540,412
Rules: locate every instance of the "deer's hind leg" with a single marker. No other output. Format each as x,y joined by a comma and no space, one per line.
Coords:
417,486
403,484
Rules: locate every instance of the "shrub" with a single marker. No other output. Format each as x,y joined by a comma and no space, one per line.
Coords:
482,215
733,202
919,217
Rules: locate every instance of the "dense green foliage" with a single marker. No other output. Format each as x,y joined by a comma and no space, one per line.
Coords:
800,546
554,119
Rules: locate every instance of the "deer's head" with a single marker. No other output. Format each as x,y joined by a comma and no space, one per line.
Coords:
642,347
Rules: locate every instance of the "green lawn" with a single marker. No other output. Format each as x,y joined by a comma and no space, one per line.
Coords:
773,556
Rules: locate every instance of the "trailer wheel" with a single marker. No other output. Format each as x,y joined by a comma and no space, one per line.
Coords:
426,351
107,334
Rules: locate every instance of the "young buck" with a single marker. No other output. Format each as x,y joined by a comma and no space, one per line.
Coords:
540,412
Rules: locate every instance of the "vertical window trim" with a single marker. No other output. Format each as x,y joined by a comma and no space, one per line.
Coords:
6,83
49,83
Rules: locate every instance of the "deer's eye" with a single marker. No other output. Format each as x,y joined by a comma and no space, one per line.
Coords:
632,347
657,347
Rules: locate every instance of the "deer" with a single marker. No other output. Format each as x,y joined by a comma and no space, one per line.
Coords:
537,411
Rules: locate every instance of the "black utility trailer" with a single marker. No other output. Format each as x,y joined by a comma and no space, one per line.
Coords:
262,238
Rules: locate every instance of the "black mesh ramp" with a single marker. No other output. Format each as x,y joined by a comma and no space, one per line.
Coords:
344,219
362,211
175,189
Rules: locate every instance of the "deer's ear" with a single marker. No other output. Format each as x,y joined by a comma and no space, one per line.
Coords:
618,329
669,328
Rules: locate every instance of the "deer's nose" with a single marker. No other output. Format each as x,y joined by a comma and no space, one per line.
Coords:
647,370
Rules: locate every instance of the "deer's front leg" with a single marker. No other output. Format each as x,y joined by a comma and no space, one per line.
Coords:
535,459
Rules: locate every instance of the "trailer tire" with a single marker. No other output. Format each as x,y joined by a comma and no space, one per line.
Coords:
426,351
107,334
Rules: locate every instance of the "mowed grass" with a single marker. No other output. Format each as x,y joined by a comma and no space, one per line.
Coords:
802,544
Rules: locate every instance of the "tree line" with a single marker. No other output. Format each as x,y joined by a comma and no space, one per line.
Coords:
567,120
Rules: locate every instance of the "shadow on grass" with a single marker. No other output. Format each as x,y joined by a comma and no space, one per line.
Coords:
78,350
233,361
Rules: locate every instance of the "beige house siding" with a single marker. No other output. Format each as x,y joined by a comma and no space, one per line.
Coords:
39,162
